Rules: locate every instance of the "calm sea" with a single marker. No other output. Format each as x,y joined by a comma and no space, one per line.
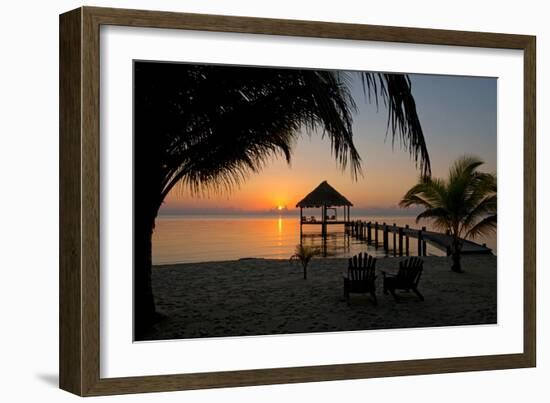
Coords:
189,239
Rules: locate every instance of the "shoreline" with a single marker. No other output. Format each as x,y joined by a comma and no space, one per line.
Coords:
269,296
244,259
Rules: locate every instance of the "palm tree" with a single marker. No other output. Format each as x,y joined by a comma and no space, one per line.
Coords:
464,205
207,128
303,255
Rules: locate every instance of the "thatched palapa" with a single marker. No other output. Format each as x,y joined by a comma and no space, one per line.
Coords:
324,195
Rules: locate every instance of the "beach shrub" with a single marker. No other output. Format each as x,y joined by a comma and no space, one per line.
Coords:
303,255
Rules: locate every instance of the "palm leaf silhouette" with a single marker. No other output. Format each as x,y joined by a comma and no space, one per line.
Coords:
208,128
465,204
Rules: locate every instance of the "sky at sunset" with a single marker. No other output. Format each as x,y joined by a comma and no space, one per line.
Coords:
458,116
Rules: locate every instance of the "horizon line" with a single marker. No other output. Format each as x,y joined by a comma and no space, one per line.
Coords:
287,211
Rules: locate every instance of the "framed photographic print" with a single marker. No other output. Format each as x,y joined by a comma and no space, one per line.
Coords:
250,201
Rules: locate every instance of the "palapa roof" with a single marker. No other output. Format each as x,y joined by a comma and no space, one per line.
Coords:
324,195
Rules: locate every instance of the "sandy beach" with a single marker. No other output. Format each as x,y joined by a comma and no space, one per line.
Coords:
261,296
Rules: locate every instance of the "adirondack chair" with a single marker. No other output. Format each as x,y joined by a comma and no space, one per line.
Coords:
360,276
406,279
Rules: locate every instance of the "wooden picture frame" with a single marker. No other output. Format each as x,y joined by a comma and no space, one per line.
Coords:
79,201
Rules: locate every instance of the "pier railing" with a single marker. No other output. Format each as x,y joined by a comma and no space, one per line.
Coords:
371,232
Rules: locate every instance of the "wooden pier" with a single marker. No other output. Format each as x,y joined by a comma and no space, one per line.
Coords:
370,232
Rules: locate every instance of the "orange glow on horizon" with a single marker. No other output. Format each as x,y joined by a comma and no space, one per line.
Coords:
267,191
386,179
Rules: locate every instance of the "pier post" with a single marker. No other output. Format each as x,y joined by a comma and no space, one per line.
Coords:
407,240
400,241
369,235
385,237
376,234
419,243
394,230
423,243
301,223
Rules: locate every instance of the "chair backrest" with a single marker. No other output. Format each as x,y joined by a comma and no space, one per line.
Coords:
410,270
361,267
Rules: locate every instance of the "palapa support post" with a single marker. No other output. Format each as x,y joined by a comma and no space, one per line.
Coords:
301,223
407,240
324,222
376,234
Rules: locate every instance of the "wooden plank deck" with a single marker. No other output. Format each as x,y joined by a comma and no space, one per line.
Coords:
360,230
443,241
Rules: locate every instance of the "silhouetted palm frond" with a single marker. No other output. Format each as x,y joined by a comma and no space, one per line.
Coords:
403,123
210,127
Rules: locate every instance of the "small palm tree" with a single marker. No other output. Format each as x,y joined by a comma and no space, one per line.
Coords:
303,255
464,205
